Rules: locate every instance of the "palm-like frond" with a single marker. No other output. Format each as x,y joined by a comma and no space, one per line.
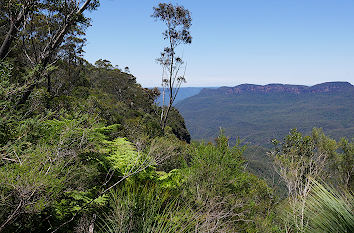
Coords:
328,210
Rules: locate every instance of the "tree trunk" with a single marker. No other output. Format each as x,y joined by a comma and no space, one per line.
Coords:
49,84
11,34
5,47
51,48
25,96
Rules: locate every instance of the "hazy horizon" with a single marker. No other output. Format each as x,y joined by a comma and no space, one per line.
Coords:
185,86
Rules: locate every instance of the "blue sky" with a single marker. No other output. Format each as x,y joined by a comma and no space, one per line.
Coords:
234,41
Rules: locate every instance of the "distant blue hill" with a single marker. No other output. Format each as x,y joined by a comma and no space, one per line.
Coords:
183,93
258,113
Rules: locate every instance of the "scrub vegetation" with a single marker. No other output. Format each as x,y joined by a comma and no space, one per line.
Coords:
83,147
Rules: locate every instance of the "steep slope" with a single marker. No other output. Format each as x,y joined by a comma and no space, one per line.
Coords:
259,113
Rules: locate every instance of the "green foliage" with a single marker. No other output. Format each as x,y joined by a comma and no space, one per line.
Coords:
172,180
299,158
216,165
311,207
148,209
42,163
134,208
5,74
344,163
5,93
169,152
216,179
121,155
176,123
71,132
328,210
59,153
74,201
259,163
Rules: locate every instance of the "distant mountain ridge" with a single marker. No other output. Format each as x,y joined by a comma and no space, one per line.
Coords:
183,93
259,113
282,88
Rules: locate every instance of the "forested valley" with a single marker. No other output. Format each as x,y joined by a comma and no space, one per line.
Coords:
85,148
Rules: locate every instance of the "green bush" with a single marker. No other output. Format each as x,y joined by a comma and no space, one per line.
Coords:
232,199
